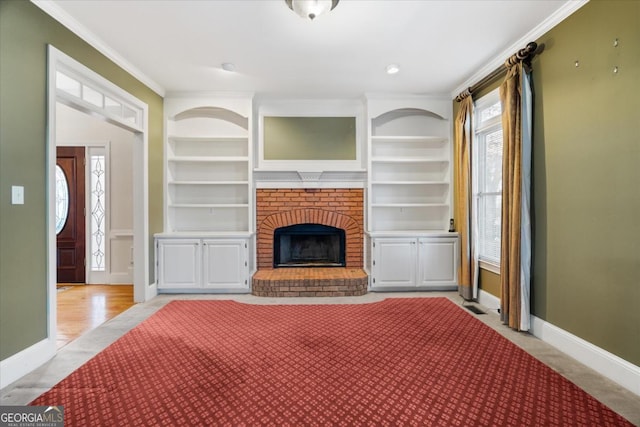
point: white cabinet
(394, 263)
(414, 263)
(437, 262)
(179, 263)
(225, 264)
(202, 265)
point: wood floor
(85, 307)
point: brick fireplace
(339, 208)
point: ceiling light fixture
(393, 68)
(311, 9)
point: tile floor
(81, 350)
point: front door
(70, 213)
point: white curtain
(525, 225)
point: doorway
(109, 197)
(77, 86)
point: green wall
(586, 177)
(309, 138)
(25, 31)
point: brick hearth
(340, 208)
(310, 282)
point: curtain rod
(525, 54)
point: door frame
(90, 146)
(59, 61)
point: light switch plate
(17, 195)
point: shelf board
(409, 183)
(413, 233)
(404, 138)
(205, 159)
(407, 160)
(208, 182)
(177, 138)
(409, 205)
(204, 234)
(208, 205)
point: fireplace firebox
(308, 245)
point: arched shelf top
(404, 112)
(214, 113)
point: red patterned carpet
(421, 362)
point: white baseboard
(20, 364)
(607, 364)
(488, 300)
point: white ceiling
(180, 45)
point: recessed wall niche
(309, 138)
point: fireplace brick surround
(336, 207)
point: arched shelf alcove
(216, 113)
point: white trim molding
(558, 16)
(303, 179)
(488, 300)
(60, 15)
(607, 364)
(20, 364)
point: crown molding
(554, 19)
(60, 15)
(210, 94)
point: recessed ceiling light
(228, 66)
(393, 68)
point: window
(70, 87)
(487, 179)
(98, 209)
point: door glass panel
(112, 106)
(92, 96)
(67, 84)
(97, 213)
(62, 199)
(130, 115)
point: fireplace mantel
(303, 178)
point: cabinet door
(226, 264)
(438, 267)
(394, 263)
(179, 263)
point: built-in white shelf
(409, 168)
(208, 165)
